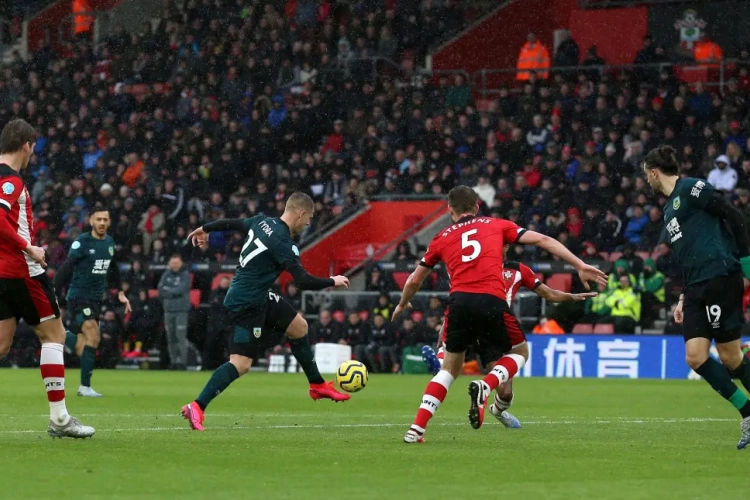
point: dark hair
(463, 200)
(663, 158)
(99, 208)
(175, 256)
(15, 134)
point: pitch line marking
(184, 428)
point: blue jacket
(635, 227)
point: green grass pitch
(265, 439)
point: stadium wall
(382, 223)
(617, 33)
(495, 42)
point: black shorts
(484, 321)
(712, 309)
(258, 328)
(82, 310)
(32, 299)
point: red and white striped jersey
(515, 276)
(15, 200)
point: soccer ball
(352, 376)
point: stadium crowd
(222, 112)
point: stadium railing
(486, 82)
(527, 307)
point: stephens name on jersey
(472, 250)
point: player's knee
(241, 363)
(297, 328)
(731, 358)
(522, 350)
(695, 359)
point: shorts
(31, 299)
(257, 328)
(712, 309)
(484, 321)
(83, 310)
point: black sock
(742, 372)
(302, 350)
(719, 379)
(220, 380)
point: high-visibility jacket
(625, 303)
(707, 52)
(83, 23)
(533, 57)
(552, 327)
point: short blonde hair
(299, 202)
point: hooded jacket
(613, 283)
(723, 179)
(654, 283)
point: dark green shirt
(91, 258)
(703, 245)
(267, 251)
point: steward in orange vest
(533, 57)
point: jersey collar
(466, 218)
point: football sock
(441, 356)
(220, 380)
(88, 360)
(70, 340)
(302, 351)
(719, 379)
(433, 396)
(505, 369)
(742, 372)
(500, 405)
(53, 374)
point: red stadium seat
(338, 316)
(643, 255)
(615, 256)
(215, 281)
(152, 294)
(195, 298)
(582, 328)
(417, 316)
(400, 279)
(604, 329)
(604, 255)
(560, 281)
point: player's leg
(502, 331)
(244, 347)
(38, 306)
(284, 317)
(91, 338)
(711, 310)
(7, 331)
(504, 394)
(458, 336)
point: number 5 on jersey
(476, 248)
(248, 253)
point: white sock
(52, 367)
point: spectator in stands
(485, 190)
(533, 57)
(653, 294)
(636, 225)
(377, 281)
(595, 308)
(435, 307)
(722, 176)
(174, 291)
(326, 329)
(383, 344)
(548, 327)
(620, 269)
(651, 233)
(356, 333)
(111, 330)
(384, 306)
(625, 305)
(404, 253)
(144, 325)
(214, 346)
(411, 334)
(567, 53)
(294, 296)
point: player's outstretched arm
(199, 237)
(556, 296)
(585, 271)
(412, 286)
(307, 281)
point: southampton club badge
(111, 251)
(690, 27)
(676, 203)
(256, 332)
(507, 275)
(87, 312)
